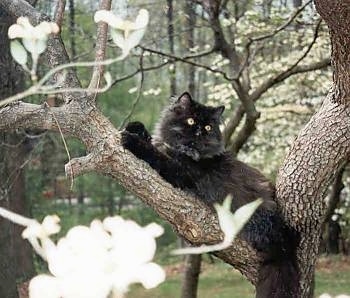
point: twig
(39, 88)
(292, 69)
(282, 27)
(100, 48)
(186, 60)
(129, 76)
(251, 40)
(137, 99)
(64, 143)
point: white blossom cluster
(96, 261)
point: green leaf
(18, 52)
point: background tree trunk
(15, 253)
(190, 280)
(172, 71)
(192, 263)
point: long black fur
(191, 156)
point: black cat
(187, 150)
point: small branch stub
(79, 166)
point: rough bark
(337, 14)
(321, 148)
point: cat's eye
(207, 128)
(190, 121)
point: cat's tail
(278, 279)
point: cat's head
(189, 124)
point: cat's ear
(185, 99)
(218, 111)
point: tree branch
(100, 48)
(27, 115)
(233, 123)
(191, 218)
(188, 61)
(291, 18)
(293, 69)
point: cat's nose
(198, 132)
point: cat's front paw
(137, 128)
(190, 152)
(135, 137)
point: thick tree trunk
(321, 148)
(190, 23)
(15, 253)
(72, 29)
(190, 279)
(192, 263)
(172, 72)
(15, 159)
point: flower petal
(24, 21)
(30, 45)
(51, 224)
(44, 286)
(16, 31)
(48, 27)
(150, 275)
(86, 284)
(133, 39)
(118, 38)
(142, 19)
(242, 215)
(41, 45)
(108, 17)
(154, 229)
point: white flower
(230, 224)
(125, 34)
(49, 226)
(34, 38)
(97, 260)
(44, 284)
